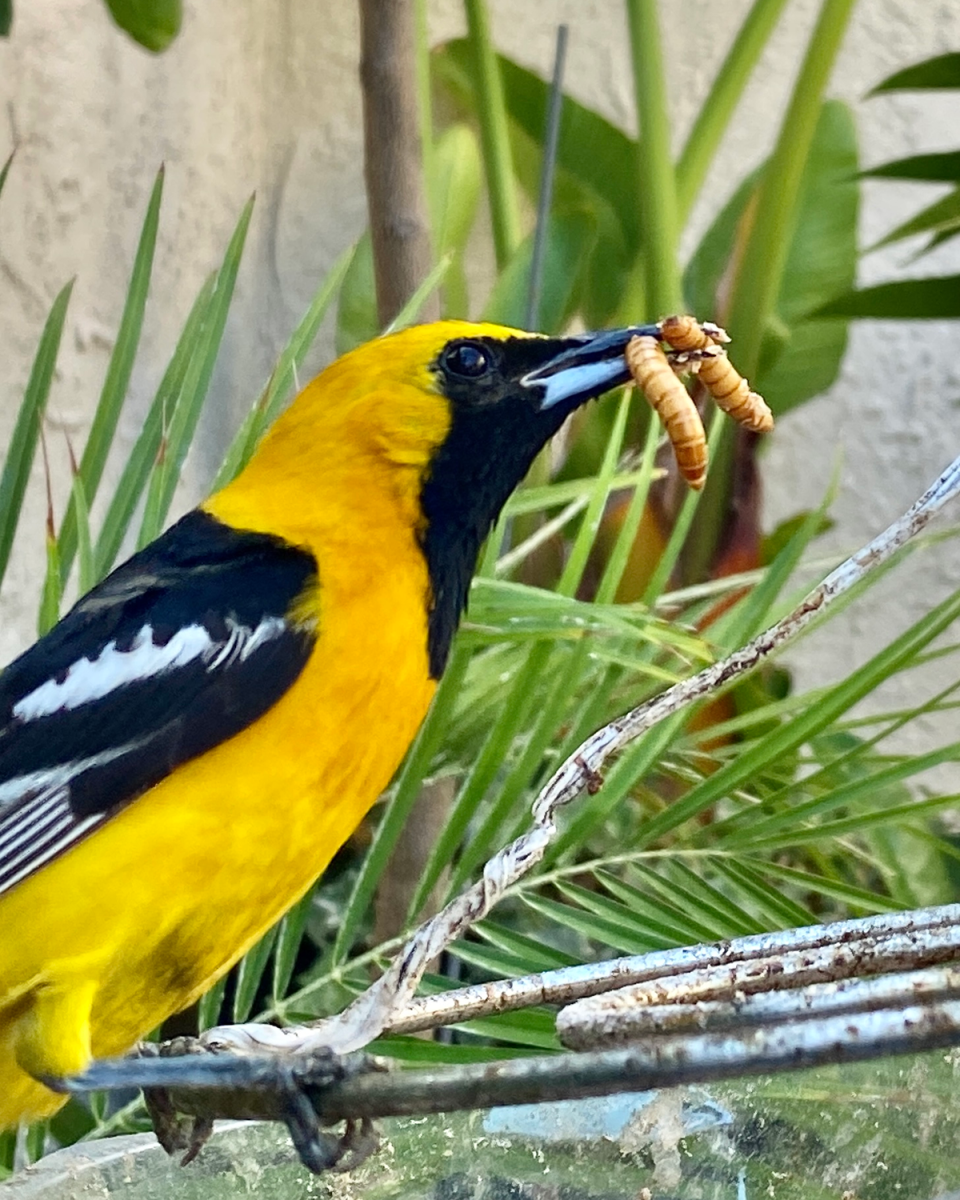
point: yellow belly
(137, 921)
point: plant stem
(551, 136)
(723, 97)
(681, 526)
(494, 136)
(656, 181)
(424, 99)
(757, 283)
(393, 168)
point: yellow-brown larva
(715, 370)
(683, 332)
(654, 377)
(732, 392)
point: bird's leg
(285, 1085)
(292, 1077)
(320, 1151)
(360, 1139)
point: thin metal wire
(801, 983)
(254, 1086)
(547, 174)
(568, 984)
(850, 1021)
(367, 1016)
(813, 1002)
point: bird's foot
(176, 1133)
(292, 1078)
(318, 1149)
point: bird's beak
(588, 365)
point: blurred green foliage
(766, 809)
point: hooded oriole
(181, 756)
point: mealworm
(655, 377)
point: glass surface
(876, 1131)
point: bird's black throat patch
(497, 429)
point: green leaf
(569, 241)
(35, 1141)
(868, 789)
(612, 930)
(656, 913)
(183, 422)
(606, 295)
(823, 248)
(941, 217)
(250, 972)
(710, 261)
(821, 262)
(835, 889)
(776, 910)
(934, 73)
(937, 239)
(208, 1009)
(927, 168)
(521, 947)
(782, 534)
(418, 1050)
(701, 897)
(936, 298)
(289, 935)
(801, 354)
(26, 431)
(117, 379)
(86, 576)
(6, 17)
(51, 593)
(530, 1027)
(716, 110)
(5, 169)
(454, 186)
(142, 458)
(357, 320)
(591, 149)
(152, 23)
(283, 376)
(860, 823)
(759, 755)
(756, 609)
(502, 198)
(594, 172)
(411, 309)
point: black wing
(181, 647)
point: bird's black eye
(467, 359)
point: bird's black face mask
(508, 397)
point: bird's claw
(177, 1134)
(360, 1139)
(318, 1150)
(293, 1078)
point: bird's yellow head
(449, 417)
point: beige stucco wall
(265, 97)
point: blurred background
(266, 98)
(797, 179)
